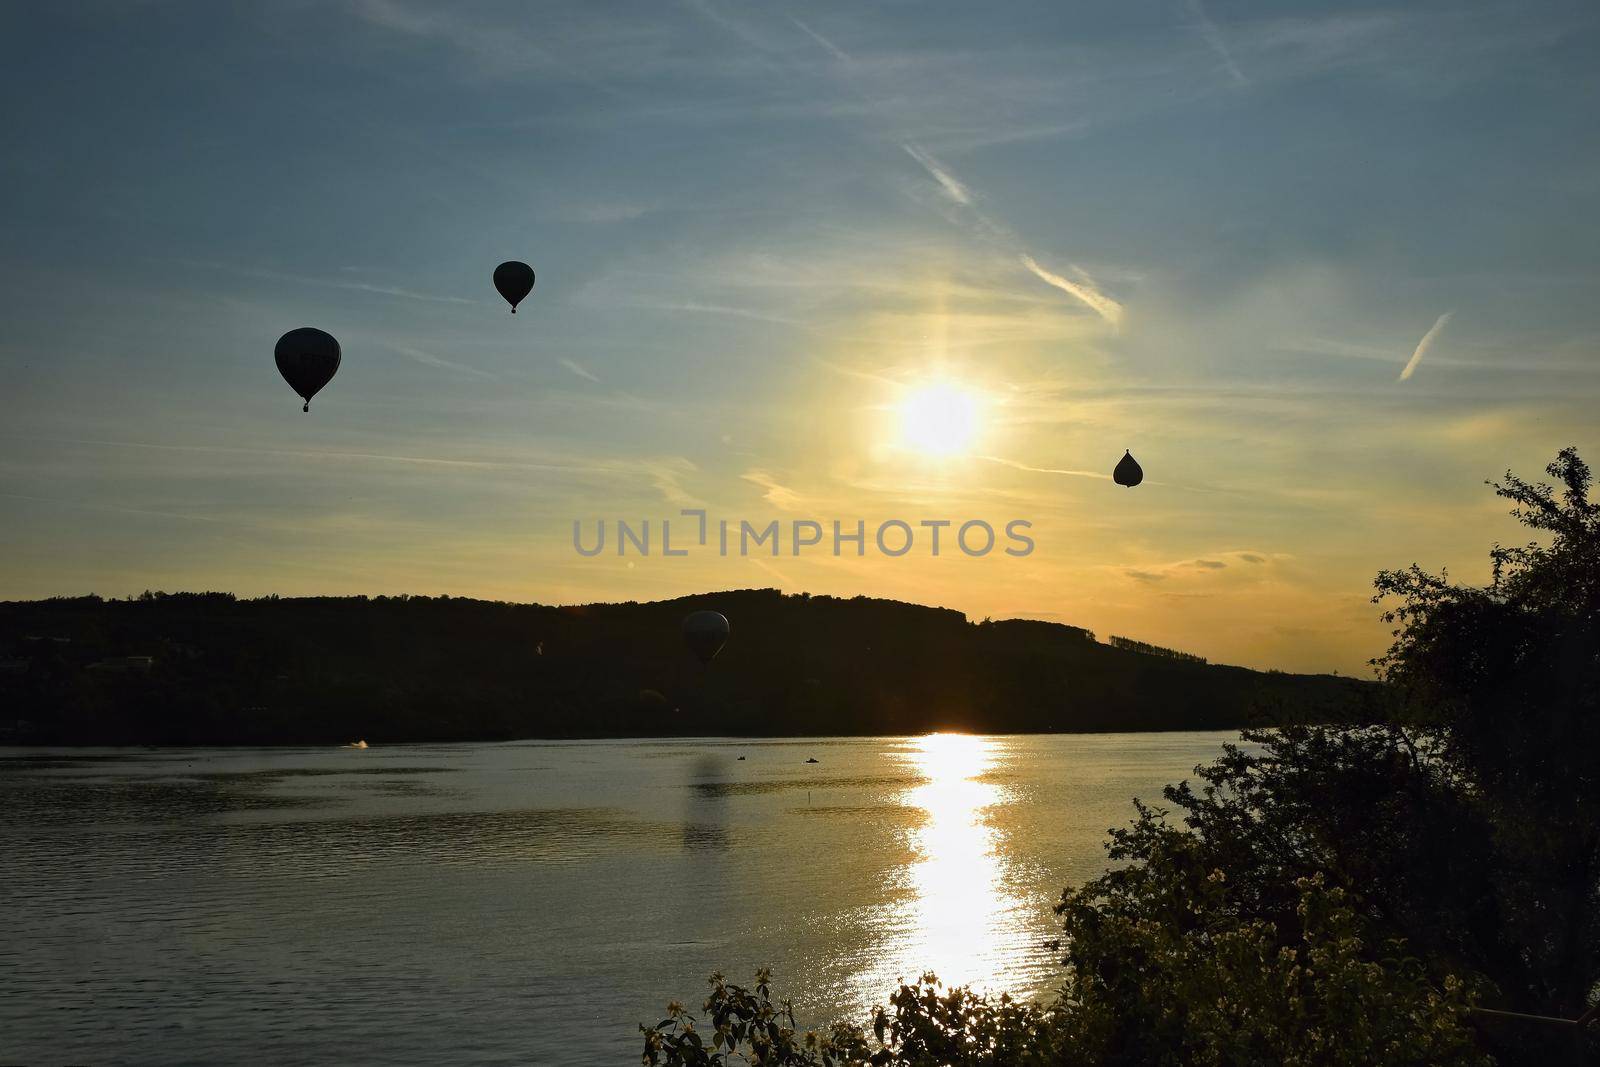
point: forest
(210, 668)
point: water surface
(531, 901)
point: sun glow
(940, 419)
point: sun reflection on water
(954, 915)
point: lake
(529, 901)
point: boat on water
(356, 744)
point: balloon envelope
(705, 632)
(1128, 471)
(514, 281)
(307, 359)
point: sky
(1323, 268)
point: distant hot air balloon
(307, 359)
(705, 632)
(514, 280)
(1128, 471)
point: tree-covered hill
(271, 670)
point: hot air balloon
(705, 632)
(307, 359)
(1128, 471)
(514, 280)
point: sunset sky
(1323, 268)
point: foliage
(924, 1025)
(1169, 965)
(1507, 677)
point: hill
(208, 668)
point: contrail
(431, 360)
(1102, 304)
(832, 49)
(1104, 477)
(1425, 344)
(961, 194)
(580, 370)
(1213, 37)
(947, 181)
(1046, 470)
(328, 283)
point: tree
(1509, 675)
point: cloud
(666, 475)
(605, 213)
(1425, 344)
(698, 308)
(580, 371)
(828, 46)
(121, 510)
(430, 360)
(952, 188)
(495, 50)
(326, 283)
(1085, 291)
(692, 307)
(1194, 568)
(616, 468)
(707, 10)
(1213, 37)
(1045, 470)
(779, 496)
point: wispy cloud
(708, 10)
(1045, 470)
(859, 373)
(1212, 35)
(947, 181)
(118, 509)
(605, 212)
(1425, 344)
(697, 307)
(989, 230)
(326, 283)
(430, 360)
(667, 475)
(1196, 567)
(622, 468)
(1084, 290)
(775, 493)
(580, 370)
(496, 50)
(828, 46)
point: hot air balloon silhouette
(705, 632)
(307, 359)
(514, 280)
(1128, 471)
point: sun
(940, 419)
